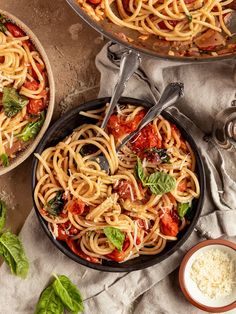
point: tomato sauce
(118, 126)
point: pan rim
(92, 23)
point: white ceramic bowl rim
(190, 289)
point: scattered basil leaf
(182, 209)
(32, 129)
(3, 212)
(5, 160)
(160, 183)
(139, 171)
(49, 302)
(12, 101)
(56, 204)
(11, 249)
(161, 152)
(115, 236)
(68, 293)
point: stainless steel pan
(112, 32)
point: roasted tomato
(75, 206)
(66, 230)
(169, 224)
(118, 127)
(62, 235)
(124, 190)
(146, 138)
(14, 30)
(118, 256)
(173, 23)
(95, 1)
(182, 186)
(35, 106)
(31, 85)
(72, 245)
(32, 71)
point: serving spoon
(171, 94)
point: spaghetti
(138, 207)
(179, 23)
(23, 91)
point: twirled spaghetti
(23, 90)
(141, 204)
(190, 23)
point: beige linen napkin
(208, 88)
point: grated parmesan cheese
(214, 273)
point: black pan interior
(64, 127)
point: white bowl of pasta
(132, 217)
(26, 92)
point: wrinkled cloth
(209, 87)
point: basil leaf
(3, 212)
(182, 209)
(5, 160)
(160, 183)
(49, 302)
(115, 236)
(12, 101)
(56, 204)
(3, 28)
(68, 293)
(13, 253)
(32, 129)
(139, 171)
(189, 17)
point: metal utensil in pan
(148, 47)
(171, 94)
(129, 64)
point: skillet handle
(130, 62)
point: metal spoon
(170, 95)
(129, 63)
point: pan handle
(129, 63)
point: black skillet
(62, 128)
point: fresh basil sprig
(32, 129)
(56, 204)
(5, 160)
(12, 101)
(139, 171)
(115, 236)
(158, 182)
(59, 295)
(3, 212)
(68, 293)
(49, 302)
(182, 209)
(11, 249)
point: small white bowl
(24, 154)
(189, 287)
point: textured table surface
(71, 46)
